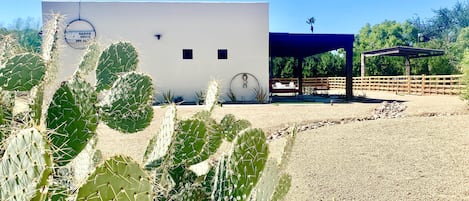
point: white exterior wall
(241, 28)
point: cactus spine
(22, 72)
(73, 117)
(119, 178)
(127, 106)
(118, 58)
(25, 166)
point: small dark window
(222, 54)
(187, 54)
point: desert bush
(199, 97)
(261, 95)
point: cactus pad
(36, 102)
(230, 127)
(159, 145)
(22, 72)
(25, 166)
(127, 107)
(89, 61)
(246, 162)
(221, 186)
(211, 98)
(119, 178)
(191, 139)
(116, 59)
(72, 115)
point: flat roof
(150, 1)
(303, 44)
(411, 52)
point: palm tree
(311, 21)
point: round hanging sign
(79, 34)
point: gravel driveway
(411, 158)
(417, 158)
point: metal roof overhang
(303, 45)
(410, 52)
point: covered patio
(304, 45)
(400, 51)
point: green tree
(384, 35)
(26, 33)
(446, 23)
(284, 66)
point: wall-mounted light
(158, 36)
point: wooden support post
(300, 75)
(408, 84)
(423, 85)
(362, 66)
(407, 66)
(349, 72)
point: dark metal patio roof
(302, 45)
(410, 52)
(403, 51)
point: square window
(222, 54)
(187, 54)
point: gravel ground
(416, 158)
(411, 158)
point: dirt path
(270, 117)
(414, 158)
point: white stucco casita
(162, 30)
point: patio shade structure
(400, 51)
(304, 45)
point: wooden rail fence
(417, 84)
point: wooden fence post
(423, 85)
(408, 84)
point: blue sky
(332, 16)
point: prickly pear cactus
(7, 102)
(25, 166)
(127, 106)
(72, 115)
(221, 184)
(22, 72)
(159, 145)
(35, 104)
(116, 59)
(230, 127)
(119, 178)
(89, 61)
(211, 97)
(191, 138)
(282, 187)
(246, 163)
